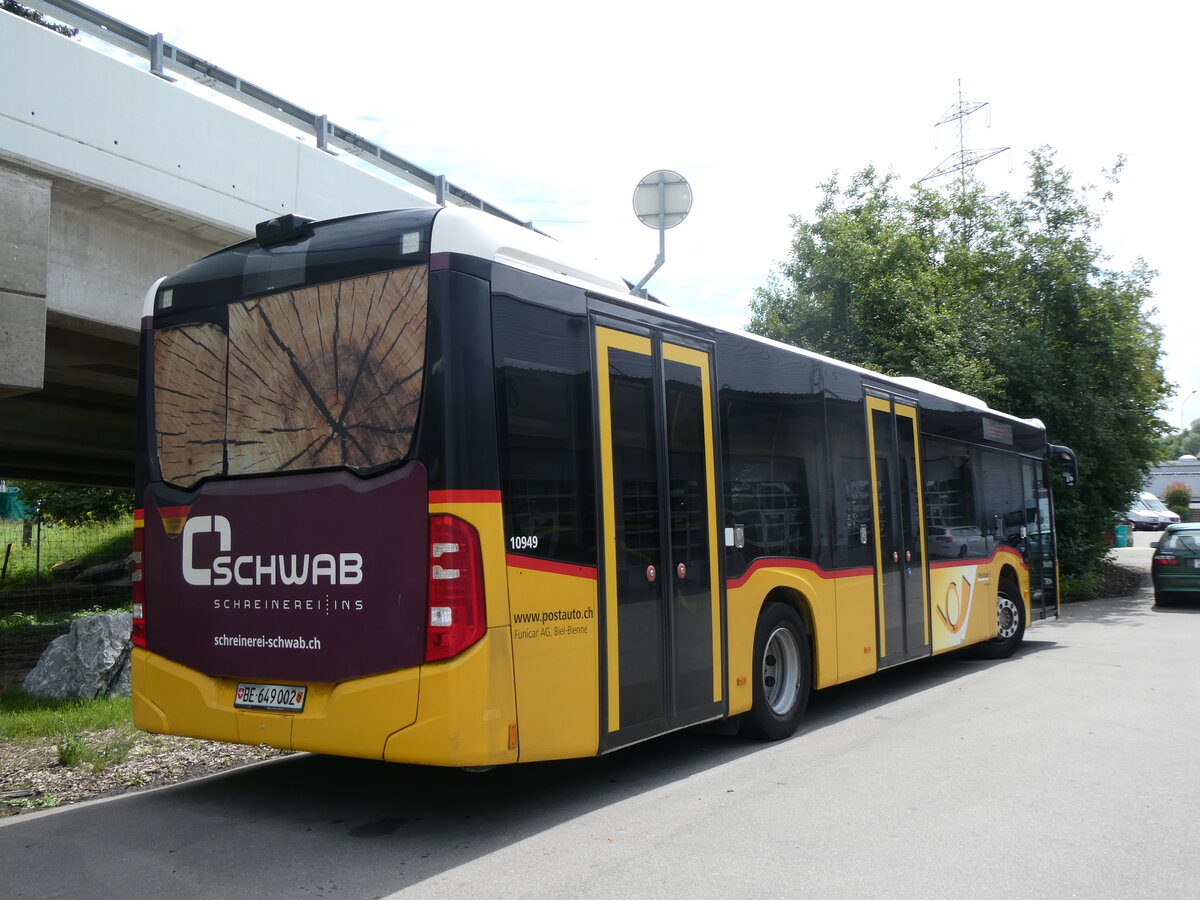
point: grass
(33, 802)
(25, 717)
(27, 621)
(71, 749)
(95, 733)
(85, 544)
(99, 752)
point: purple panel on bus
(317, 577)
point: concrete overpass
(111, 176)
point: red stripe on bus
(546, 565)
(464, 496)
(783, 563)
(174, 512)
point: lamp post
(1183, 422)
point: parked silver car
(1144, 519)
(1148, 513)
(1164, 513)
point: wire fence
(52, 574)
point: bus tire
(1010, 615)
(782, 675)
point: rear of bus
(317, 488)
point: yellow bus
(423, 486)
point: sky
(554, 112)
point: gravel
(31, 776)
(1121, 581)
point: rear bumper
(456, 713)
(1185, 586)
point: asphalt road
(1068, 771)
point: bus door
(1039, 548)
(660, 574)
(901, 569)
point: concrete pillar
(24, 242)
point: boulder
(107, 571)
(66, 569)
(90, 661)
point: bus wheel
(1010, 619)
(782, 674)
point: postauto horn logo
(308, 568)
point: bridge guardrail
(162, 56)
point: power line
(962, 159)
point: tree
(10, 6)
(69, 504)
(863, 286)
(1004, 298)
(1187, 441)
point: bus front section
(312, 565)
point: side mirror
(1067, 463)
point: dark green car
(1175, 569)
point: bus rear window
(189, 402)
(317, 377)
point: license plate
(288, 697)
(1196, 563)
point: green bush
(72, 504)
(1178, 497)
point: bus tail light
(457, 613)
(137, 577)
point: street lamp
(1183, 422)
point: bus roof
(474, 233)
(486, 237)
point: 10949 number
(523, 542)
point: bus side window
(543, 409)
(1004, 501)
(951, 522)
(847, 437)
(773, 453)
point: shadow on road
(1123, 610)
(312, 823)
(369, 828)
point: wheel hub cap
(781, 671)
